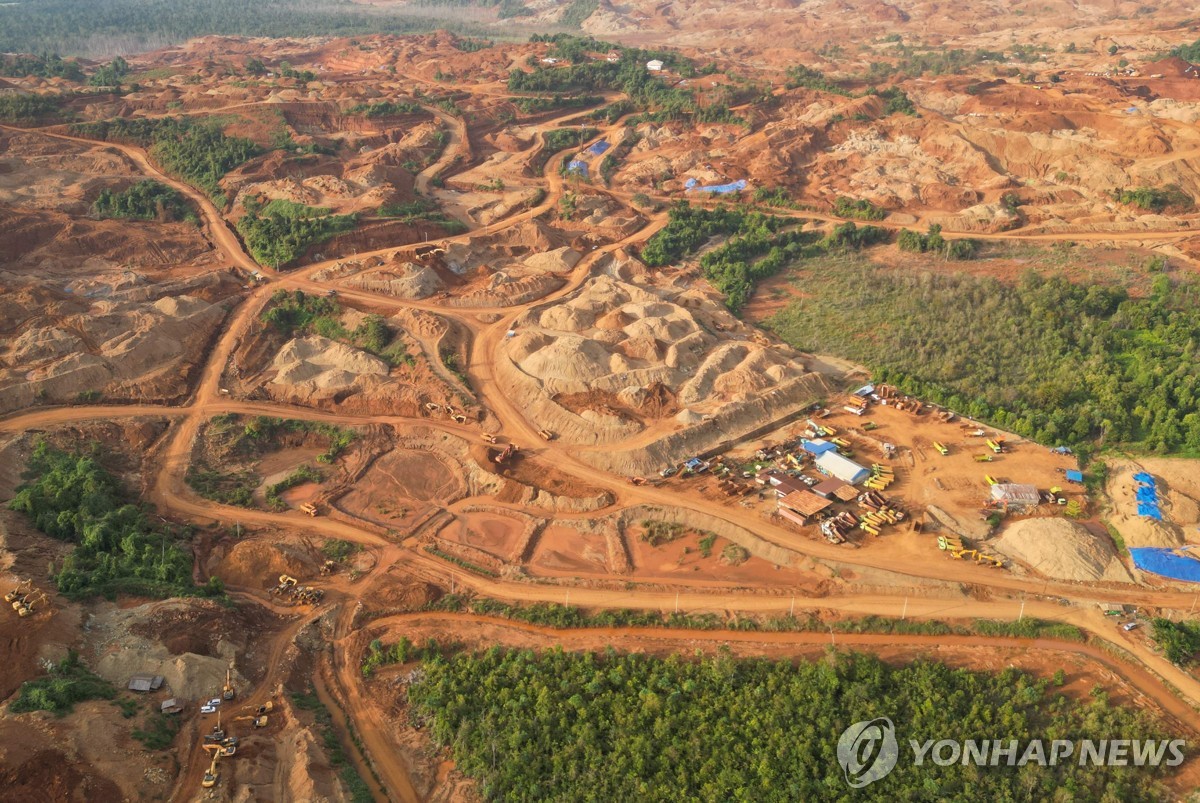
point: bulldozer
(210, 777)
(27, 607)
(228, 692)
(21, 590)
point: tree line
(555, 725)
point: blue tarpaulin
(1143, 477)
(817, 446)
(576, 166)
(1149, 510)
(1074, 476)
(1165, 562)
(599, 148)
(721, 189)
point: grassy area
(227, 487)
(298, 477)
(657, 533)
(1045, 358)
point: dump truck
(487, 437)
(942, 450)
(309, 508)
(546, 434)
(983, 458)
(996, 446)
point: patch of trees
(299, 313)
(286, 70)
(544, 725)
(195, 151)
(801, 76)
(537, 105)
(1050, 360)
(45, 65)
(1153, 199)
(935, 243)
(895, 101)
(20, 108)
(106, 26)
(1188, 52)
(110, 74)
(558, 139)
(1180, 640)
(68, 682)
(859, 209)
(385, 108)
(470, 44)
(279, 232)
(117, 550)
(146, 200)
(628, 74)
(422, 210)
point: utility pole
(1021, 615)
(792, 612)
(676, 602)
(904, 613)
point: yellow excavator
(24, 588)
(210, 777)
(27, 607)
(228, 692)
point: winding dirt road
(1146, 671)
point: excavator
(210, 777)
(27, 607)
(21, 590)
(259, 721)
(228, 692)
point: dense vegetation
(1045, 358)
(1152, 199)
(544, 726)
(45, 65)
(537, 105)
(72, 498)
(755, 250)
(279, 232)
(803, 76)
(385, 108)
(423, 210)
(1188, 52)
(107, 26)
(859, 209)
(934, 243)
(69, 682)
(110, 74)
(18, 108)
(146, 200)
(1180, 640)
(196, 151)
(628, 74)
(557, 139)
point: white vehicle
(208, 709)
(214, 702)
(1129, 626)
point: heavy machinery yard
(418, 439)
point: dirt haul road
(169, 491)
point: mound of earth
(257, 563)
(1063, 550)
(116, 348)
(614, 359)
(1179, 501)
(322, 364)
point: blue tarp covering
(1165, 562)
(1074, 476)
(599, 148)
(1061, 450)
(865, 390)
(736, 186)
(817, 446)
(1143, 477)
(576, 166)
(1149, 510)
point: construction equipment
(229, 746)
(488, 437)
(432, 407)
(228, 692)
(546, 434)
(27, 607)
(458, 418)
(996, 445)
(21, 590)
(506, 453)
(942, 450)
(637, 480)
(309, 508)
(965, 554)
(286, 582)
(950, 543)
(983, 458)
(990, 480)
(990, 560)
(259, 721)
(210, 777)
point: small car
(214, 702)
(669, 471)
(1130, 626)
(208, 709)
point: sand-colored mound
(671, 369)
(1063, 550)
(1178, 485)
(324, 364)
